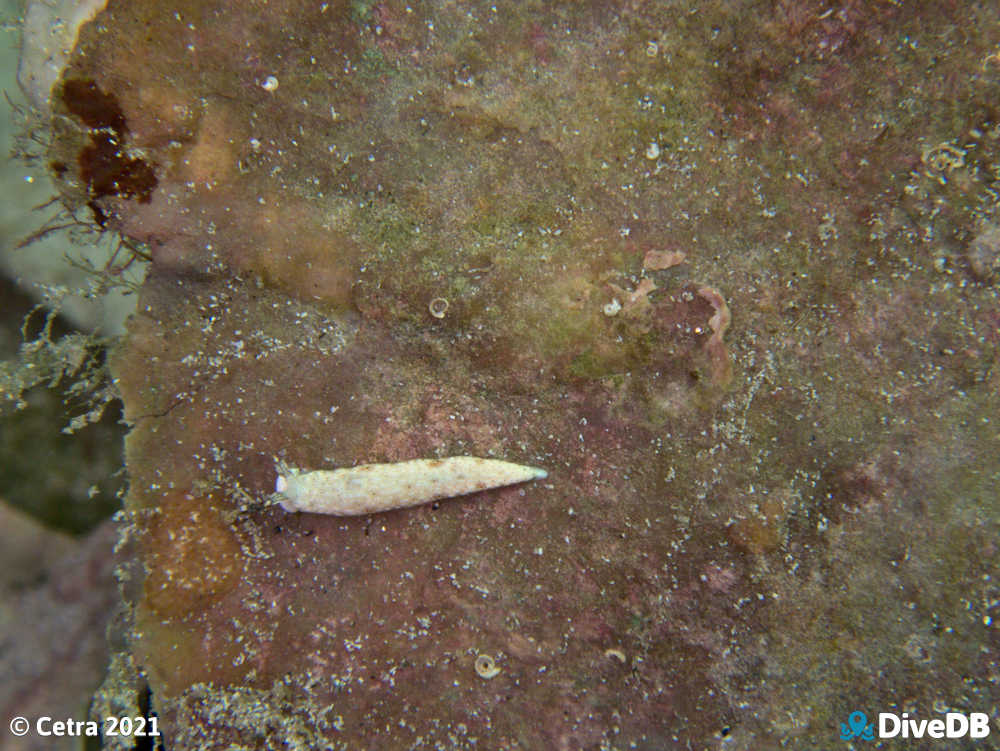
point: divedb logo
(890, 725)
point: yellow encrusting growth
(371, 488)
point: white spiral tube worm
(371, 488)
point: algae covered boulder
(700, 262)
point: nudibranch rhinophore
(371, 488)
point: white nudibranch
(371, 488)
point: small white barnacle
(371, 488)
(616, 653)
(486, 667)
(438, 307)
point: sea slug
(371, 488)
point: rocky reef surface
(726, 270)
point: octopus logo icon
(857, 726)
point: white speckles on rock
(371, 488)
